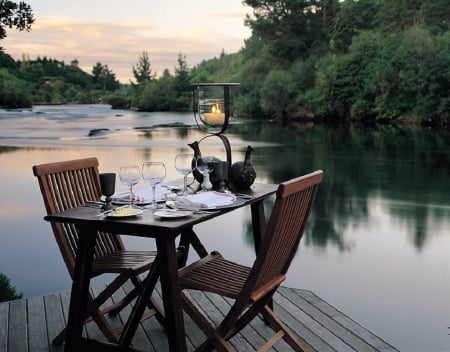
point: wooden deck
(29, 325)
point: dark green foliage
(49, 81)
(118, 100)
(142, 72)
(14, 92)
(7, 292)
(18, 15)
(364, 60)
(104, 78)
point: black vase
(243, 174)
(210, 159)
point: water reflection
(377, 242)
(407, 167)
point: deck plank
(37, 328)
(54, 316)
(378, 343)
(326, 328)
(4, 317)
(29, 325)
(17, 337)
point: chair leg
(214, 339)
(60, 338)
(110, 334)
(116, 308)
(278, 325)
(97, 315)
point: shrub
(7, 292)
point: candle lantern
(212, 106)
(212, 112)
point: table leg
(258, 222)
(189, 238)
(80, 289)
(171, 293)
(138, 310)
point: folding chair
(252, 288)
(69, 184)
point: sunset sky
(116, 32)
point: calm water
(378, 243)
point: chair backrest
(69, 184)
(293, 203)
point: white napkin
(211, 199)
(186, 204)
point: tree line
(327, 60)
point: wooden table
(165, 233)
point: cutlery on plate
(112, 210)
(243, 196)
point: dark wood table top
(142, 224)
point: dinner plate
(124, 213)
(196, 206)
(172, 214)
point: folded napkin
(144, 195)
(186, 204)
(210, 199)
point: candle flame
(215, 109)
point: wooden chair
(253, 288)
(70, 184)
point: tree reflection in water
(407, 168)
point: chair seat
(214, 273)
(122, 261)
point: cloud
(119, 45)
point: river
(377, 245)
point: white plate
(212, 199)
(172, 214)
(129, 213)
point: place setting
(206, 192)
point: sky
(117, 32)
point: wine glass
(204, 166)
(108, 187)
(130, 176)
(183, 164)
(221, 172)
(153, 173)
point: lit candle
(215, 117)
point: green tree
(399, 15)
(7, 292)
(142, 72)
(14, 92)
(291, 28)
(15, 15)
(275, 93)
(104, 77)
(182, 83)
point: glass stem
(185, 185)
(154, 199)
(131, 196)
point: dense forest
(328, 60)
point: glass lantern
(212, 110)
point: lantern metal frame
(199, 104)
(203, 104)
